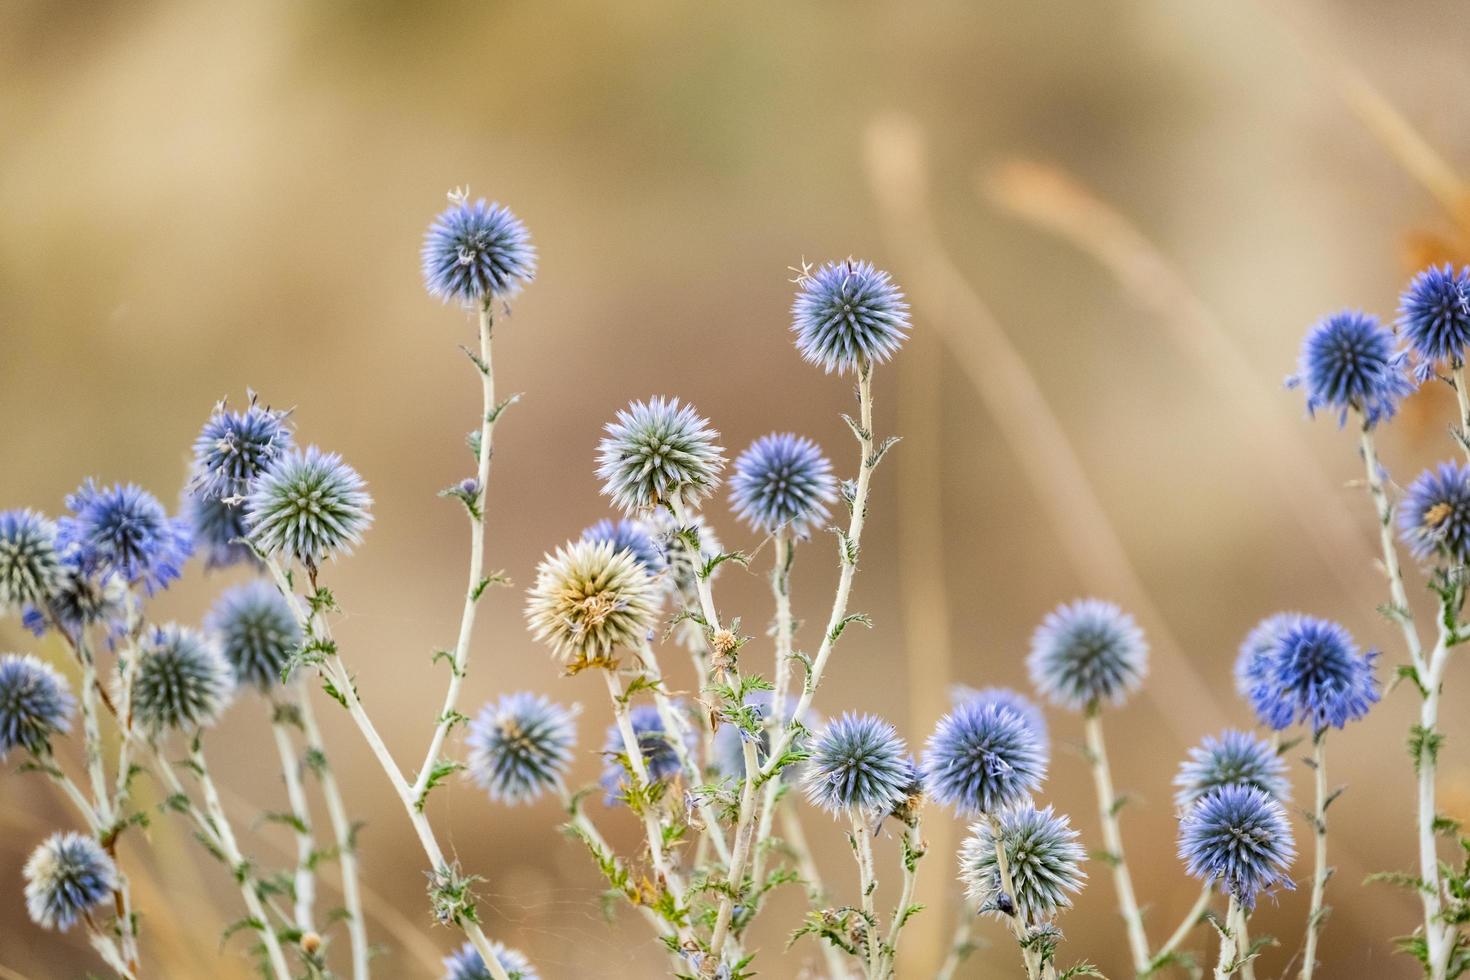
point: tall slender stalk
(1319, 866)
(1107, 805)
(1017, 926)
(304, 877)
(913, 850)
(862, 847)
(1229, 961)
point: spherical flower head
(218, 529)
(1434, 517)
(256, 629)
(124, 529)
(1087, 653)
(234, 448)
(1348, 363)
(181, 682)
(848, 315)
(590, 601)
(983, 758)
(29, 564)
(1253, 663)
(1042, 855)
(1434, 316)
(474, 253)
(466, 963)
(633, 536)
(35, 704)
(857, 765)
(658, 453)
(66, 877)
(782, 485)
(1315, 675)
(1006, 697)
(657, 745)
(308, 506)
(1234, 758)
(1239, 837)
(520, 746)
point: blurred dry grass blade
(1047, 197)
(1013, 397)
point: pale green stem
(1107, 805)
(1319, 865)
(1018, 927)
(862, 845)
(781, 592)
(305, 874)
(1462, 397)
(914, 840)
(594, 839)
(1225, 966)
(961, 944)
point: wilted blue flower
(1253, 663)
(124, 529)
(782, 485)
(35, 704)
(858, 764)
(256, 630)
(1238, 837)
(234, 448)
(1042, 855)
(218, 528)
(67, 876)
(29, 566)
(590, 601)
(1315, 675)
(476, 252)
(80, 599)
(1434, 316)
(633, 536)
(983, 758)
(181, 681)
(1234, 758)
(960, 694)
(657, 745)
(1434, 517)
(309, 506)
(520, 746)
(1348, 362)
(467, 964)
(847, 314)
(658, 452)
(1086, 653)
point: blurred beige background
(197, 198)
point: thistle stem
(961, 944)
(1319, 867)
(1401, 613)
(1107, 805)
(1462, 398)
(605, 855)
(862, 845)
(1229, 960)
(342, 832)
(474, 591)
(781, 593)
(913, 851)
(1007, 885)
(305, 875)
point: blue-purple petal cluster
(124, 529)
(182, 681)
(218, 529)
(1233, 758)
(631, 536)
(983, 758)
(66, 877)
(35, 704)
(29, 564)
(520, 746)
(308, 506)
(1315, 675)
(1349, 364)
(1043, 856)
(1434, 317)
(858, 765)
(1006, 697)
(1253, 662)
(256, 630)
(233, 448)
(847, 315)
(1238, 837)
(1434, 515)
(476, 252)
(466, 963)
(1087, 653)
(782, 484)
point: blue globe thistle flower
(256, 630)
(181, 681)
(782, 484)
(1234, 758)
(218, 529)
(1238, 836)
(1434, 317)
(1315, 675)
(1006, 697)
(848, 314)
(1253, 663)
(308, 506)
(79, 599)
(857, 764)
(1434, 517)
(590, 601)
(1042, 855)
(477, 252)
(29, 565)
(234, 448)
(520, 746)
(632, 536)
(659, 752)
(66, 877)
(983, 758)
(1086, 653)
(124, 529)
(35, 704)
(466, 963)
(1348, 362)
(656, 453)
